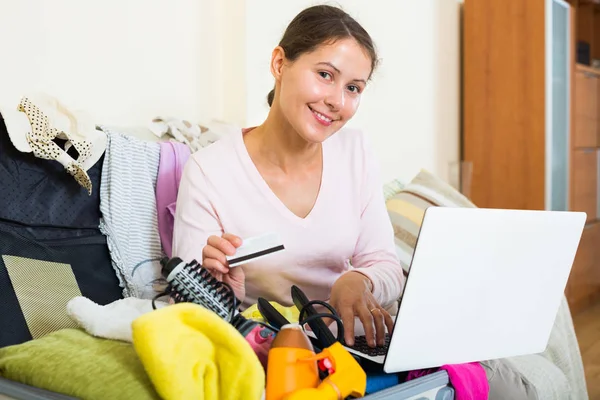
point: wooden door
(585, 110)
(504, 102)
(584, 281)
(584, 185)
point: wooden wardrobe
(531, 115)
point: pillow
(506, 382)
(76, 364)
(407, 207)
(391, 188)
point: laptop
(483, 284)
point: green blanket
(74, 363)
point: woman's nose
(335, 100)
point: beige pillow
(391, 188)
(407, 207)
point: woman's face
(320, 91)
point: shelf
(587, 21)
(587, 68)
(594, 3)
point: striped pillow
(407, 207)
(391, 188)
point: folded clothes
(74, 363)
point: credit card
(255, 248)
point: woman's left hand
(351, 296)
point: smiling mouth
(322, 118)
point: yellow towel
(189, 352)
(290, 313)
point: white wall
(122, 61)
(127, 61)
(411, 108)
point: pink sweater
(348, 228)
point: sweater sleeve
(195, 217)
(375, 255)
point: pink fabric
(173, 157)
(468, 380)
(223, 191)
(417, 373)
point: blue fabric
(377, 382)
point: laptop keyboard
(360, 344)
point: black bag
(51, 248)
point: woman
(301, 175)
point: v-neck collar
(264, 187)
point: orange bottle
(290, 366)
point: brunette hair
(319, 25)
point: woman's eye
(325, 75)
(354, 89)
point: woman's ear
(277, 60)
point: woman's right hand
(214, 259)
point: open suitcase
(29, 227)
(431, 387)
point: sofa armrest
(563, 358)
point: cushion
(391, 188)
(407, 207)
(506, 382)
(549, 381)
(76, 364)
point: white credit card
(255, 248)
